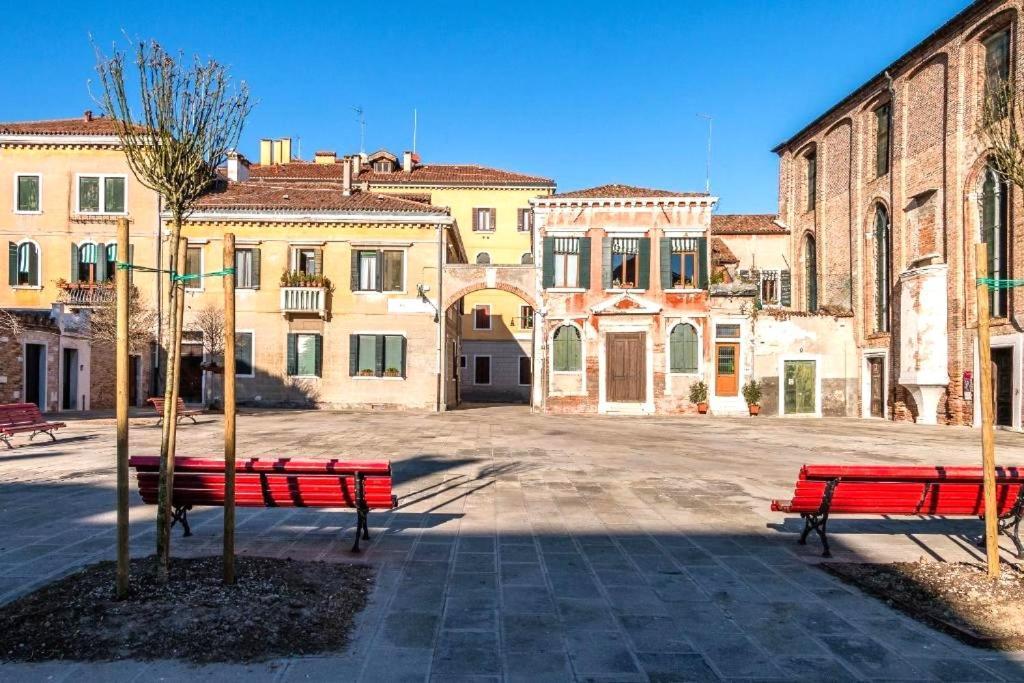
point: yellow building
(492, 210)
(336, 294)
(63, 185)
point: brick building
(885, 195)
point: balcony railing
(304, 300)
(85, 294)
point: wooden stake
(121, 277)
(229, 411)
(988, 456)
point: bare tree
(1001, 127)
(141, 324)
(10, 325)
(176, 119)
(210, 321)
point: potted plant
(699, 396)
(392, 372)
(366, 373)
(752, 395)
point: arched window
(883, 269)
(88, 269)
(483, 258)
(994, 197)
(811, 273)
(111, 269)
(682, 345)
(567, 349)
(24, 265)
(527, 259)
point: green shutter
(665, 263)
(255, 268)
(584, 264)
(675, 344)
(101, 262)
(33, 265)
(12, 263)
(378, 364)
(75, 261)
(318, 261)
(644, 267)
(786, 289)
(606, 262)
(293, 354)
(702, 262)
(131, 259)
(353, 355)
(405, 345)
(548, 262)
(354, 279)
(318, 350)
(378, 284)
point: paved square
(535, 548)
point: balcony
(304, 300)
(85, 294)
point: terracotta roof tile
(427, 174)
(746, 224)
(721, 253)
(308, 197)
(99, 125)
(622, 192)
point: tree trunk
(229, 411)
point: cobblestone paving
(531, 548)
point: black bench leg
(50, 434)
(362, 528)
(818, 521)
(32, 436)
(7, 441)
(180, 514)
(807, 529)
(193, 418)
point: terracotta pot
(702, 408)
(754, 409)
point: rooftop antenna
(362, 128)
(707, 170)
(414, 122)
(299, 145)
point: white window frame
(865, 385)
(296, 248)
(817, 360)
(299, 333)
(490, 370)
(383, 333)
(380, 266)
(252, 357)
(202, 267)
(14, 196)
(478, 212)
(490, 323)
(39, 255)
(103, 194)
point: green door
(799, 386)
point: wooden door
(727, 356)
(876, 366)
(800, 382)
(626, 374)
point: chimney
(357, 165)
(238, 167)
(266, 152)
(325, 158)
(286, 151)
(407, 162)
(87, 116)
(346, 177)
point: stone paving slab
(532, 548)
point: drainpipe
(442, 315)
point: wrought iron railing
(85, 294)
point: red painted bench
(158, 403)
(283, 482)
(823, 490)
(16, 418)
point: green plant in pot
(699, 396)
(752, 395)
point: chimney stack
(357, 165)
(266, 152)
(346, 177)
(238, 167)
(325, 158)
(87, 116)
(286, 151)
(407, 162)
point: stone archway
(465, 278)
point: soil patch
(276, 608)
(955, 597)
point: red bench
(16, 418)
(158, 405)
(283, 482)
(823, 490)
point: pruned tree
(10, 325)
(1001, 128)
(141, 324)
(177, 119)
(210, 321)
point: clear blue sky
(585, 93)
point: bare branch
(1001, 126)
(141, 324)
(210, 321)
(10, 325)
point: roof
(616, 191)
(98, 125)
(877, 79)
(264, 196)
(721, 253)
(427, 174)
(747, 224)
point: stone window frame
(39, 192)
(583, 348)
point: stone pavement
(534, 548)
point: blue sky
(586, 93)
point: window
(567, 349)
(769, 287)
(811, 160)
(882, 125)
(377, 355)
(194, 266)
(462, 361)
(883, 269)
(87, 263)
(526, 317)
(483, 259)
(382, 167)
(110, 272)
(244, 350)
(247, 268)
(481, 370)
(727, 331)
(101, 194)
(625, 262)
(683, 349)
(567, 262)
(482, 317)
(683, 260)
(527, 259)
(23, 264)
(307, 260)
(994, 225)
(811, 273)
(997, 74)
(525, 371)
(378, 270)
(27, 189)
(524, 220)
(394, 280)
(305, 355)
(483, 220)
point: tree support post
(229, 410)
(123, 303)
(988, 457)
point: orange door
(727, 369)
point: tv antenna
(362, 128)
(415, 120)
(707, 170)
